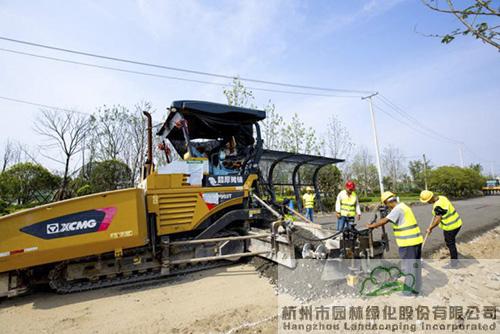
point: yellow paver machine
(212, 207)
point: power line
(403, 113)
(178, 69)
(117, 69)
(41, 105)
(409, 125)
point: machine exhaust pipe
(148, 164)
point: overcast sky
(363, 45)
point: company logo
(228, 180)
(385, 281)
(74, 224)
(52, 228)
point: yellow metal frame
(179, 207)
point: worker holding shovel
(448, 220)
(408, 238)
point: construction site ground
(238, 299)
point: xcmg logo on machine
(73, 224)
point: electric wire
(178, 69)
(162, 76)
(406, 115)
(41, 105)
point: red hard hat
(349, 185)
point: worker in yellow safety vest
(347, 206)
(308, 200)
(408, 238)
(448, 220)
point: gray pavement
(478, 215)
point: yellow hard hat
(386, 195)
(425, 196)
(309, 189)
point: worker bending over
(347, 206)
(408, 238)
(448, 220)
(308, 200)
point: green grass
(407, 198)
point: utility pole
(461, 153)
(425, 172)
(375, 139)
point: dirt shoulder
(212, 301)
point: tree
(102, 176)
(238, 95)
(65, 131)
(478, 18)
(8, 155)
(296, 138)
(27, 183)
(109, 126)
(455, 181)
(364, 172)
(329, 180)
(137, 140)
(477, 168)
(416, 169)
(393, 161)
(110, 175)
(119, 133)
(271, 128)
(337, 141)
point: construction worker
(408, 238)
(448, 220)
(347, 206)
(308, 200)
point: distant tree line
(105, 151)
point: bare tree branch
(65, 130)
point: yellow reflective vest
(408, 233)
(348, 205)
(451, 220)
(308, 201)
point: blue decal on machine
(73, 224)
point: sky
(372, 45)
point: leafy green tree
(416, 169)
(102, 176)
(28, 184)
(455, 181)
(476, 167)
(329, 180)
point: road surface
(230, 299)
(478, 215)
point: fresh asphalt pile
(310, 280)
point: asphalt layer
(478, 215)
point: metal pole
(375, 139)
(425, 172)
(460, 151)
